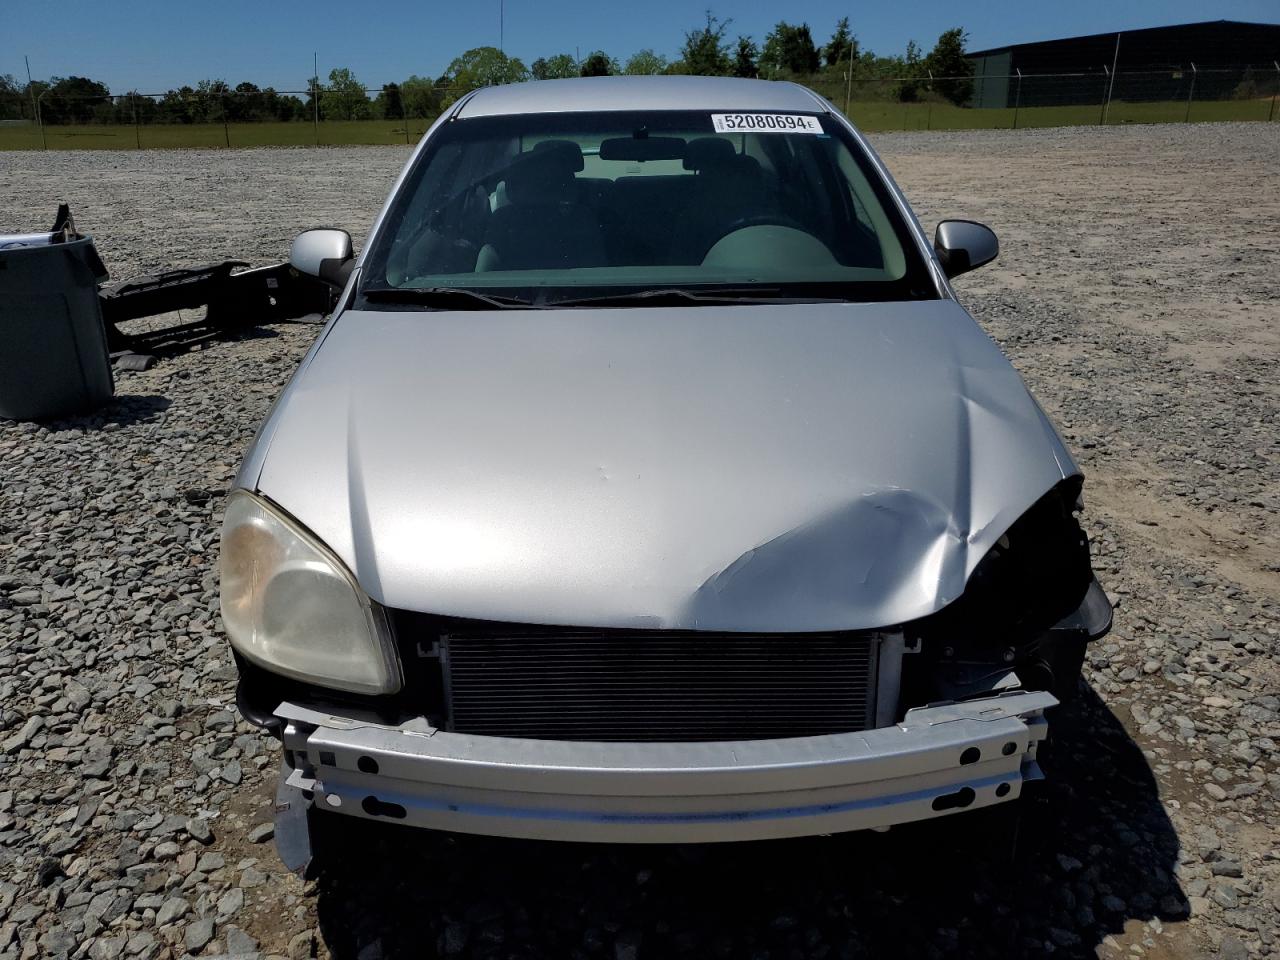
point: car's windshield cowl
(462, 298)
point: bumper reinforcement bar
(940, 759)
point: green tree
(842, 45)
(421, 97)
(562, 66)
(178, 106)
(390, 105)
(481, 67)
(284, 107)
(947, 60)
(11, 98)
(598, 64)
(211, 101)
(554, 68)
(745, 58)
(73, 99)
(34, 88)
(645, 63)
(134, 105)
(275, 107)
(246, 103)
(704, 52)
(912, 67)
(345, 99)
(315, 91)
(789, 49)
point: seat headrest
(565, 151)
(708, 152)
(545, 173)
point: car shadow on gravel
(1094, 849)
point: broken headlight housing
(1027, 611)
(290, 605)
(1036, 574)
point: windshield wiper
(446, 298)
(675, 296)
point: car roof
(640, 93)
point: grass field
(945, 116)
(153, 136)
(870, 116)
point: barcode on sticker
(765, 123)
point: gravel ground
(1137, 295)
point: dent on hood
(867, 531)
(889, 555)
(884, 552)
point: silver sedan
(650, 484)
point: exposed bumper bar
(939, 760)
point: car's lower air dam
(563, 684)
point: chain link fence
(1054, 100)
(401, 114)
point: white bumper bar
(939, 760)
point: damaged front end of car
(952, 719)
(648, 567)
(1028, 611)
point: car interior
(632, 201)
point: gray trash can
(53, 348)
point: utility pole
(1017, 101)
(501, 25)
(30, 89)
(1106, 97)
(315, 92)
(1106, 110)
(1271, 115)
(848, 79)
(1191, 93)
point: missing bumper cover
(676, 792)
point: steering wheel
(760, 220)
(755, 220)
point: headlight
(290, 605)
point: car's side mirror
(325, 254)
(964, 245)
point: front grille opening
(638, 686)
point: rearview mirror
(325, 254)
(642, 148)
(964, 245)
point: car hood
(780, 467)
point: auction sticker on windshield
(765, 123)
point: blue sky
(152, 45)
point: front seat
(728, 187)
(544, 225)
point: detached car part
(236, 297)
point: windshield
(571, 207)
